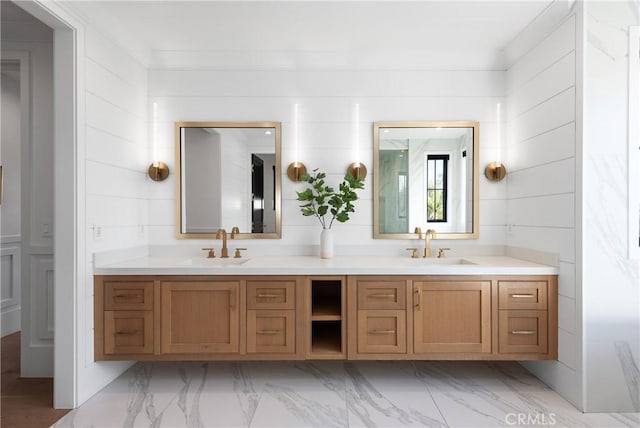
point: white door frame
(69, 249)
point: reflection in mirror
(228, 176)
(426, 175)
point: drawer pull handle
(417, 298)
(382, 332)
(269, 332)
(523, 332)
(127, 296)
(127, 333)
(268, 295)
(382, 295)
(522, 296)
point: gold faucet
(428, 236)
(234, 232)
(221, 233)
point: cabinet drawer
(128, 332)
(522, 332)
(382, 331)
(271, 294)
(522, 295)
(127, 296)
(382, 294)
(271, 331)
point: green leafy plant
(321, 200)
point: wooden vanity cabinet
(270, 317)
(126, 325)
(527, 317)
(380, 323)
(200, 317)
(452, 316)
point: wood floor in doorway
(25, 402)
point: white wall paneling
(42, 273)
(325, 100)
(10, 294)
(116, 188)
(37, 335)
(541, 185)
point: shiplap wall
(117, 187)
(541, 185)
(326, 99)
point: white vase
(326, 244)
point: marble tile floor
(332, 394)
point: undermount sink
(441, 261)
(214, 262)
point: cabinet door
(523, 332)
(382, 331)
(452, 316)
(271, 331)
(128, 332)
(200, 317)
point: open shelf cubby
(326, 300)
(327, 324)
(326, 337)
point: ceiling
(383, 31)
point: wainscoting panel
(42, 294)
(10, 287)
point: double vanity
(294, 308)
(297, 307)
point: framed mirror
(228, 176)
(426, 175)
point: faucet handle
(237, 254)
(418, 231)
(441, 252)
(235, 231)
(414, 252)
(211, 254)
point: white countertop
(313, 265)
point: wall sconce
(158, 171)
(357, 169)
(496, 171)
(296, 169)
